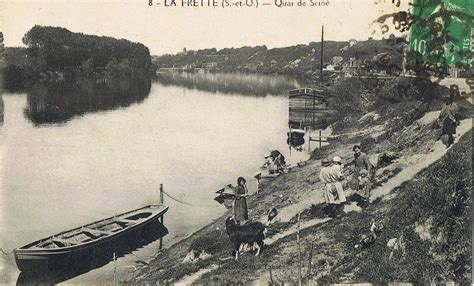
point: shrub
(346, 98)
(400, 89)
(367, 143)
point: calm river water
(73, 155)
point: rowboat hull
(36, 258)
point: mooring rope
(6, 252)
(189, 204)
(197, 205)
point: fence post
(309, 139)
(162, 200)
(161, 194)
(115, 269)
(299, 251)
(310, 266)
(320, 139)
(290, 136)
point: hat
(337, 159)
(325, 162)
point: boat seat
(97, 231)
(64, 242)
(124, 220)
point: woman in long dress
(364, 172)
(331, 177)
(240, 204)
(448, 119)
(339, 167)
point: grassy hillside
(429, 217)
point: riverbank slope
(422, 198)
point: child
(364, 187)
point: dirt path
(414, 164)
(189, 279)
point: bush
(346, 98)
(367, 143)
(320, 153)
(400, 89)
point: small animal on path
(251, 233)
(369, 238)
(271, 215)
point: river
(73, 155)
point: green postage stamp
(440, 34)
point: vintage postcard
(241, 142)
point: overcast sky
(170, 29)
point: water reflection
(58, 102)
(113, 162)
(247, 84)
(98, 257)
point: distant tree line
(299, 60)
(59, 48)
(53, 52)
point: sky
(170, 29)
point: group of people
(332, 175)
(275, 162)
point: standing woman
(240, 204)
(448, 119)
(339, 167)
(331, 178)
(362, 165)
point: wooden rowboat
(66, 249)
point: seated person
(278, 160)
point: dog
(249, 235)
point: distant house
(183, 53)
(330, 68)
(337, 60)
(354, 67)
(354, 63)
